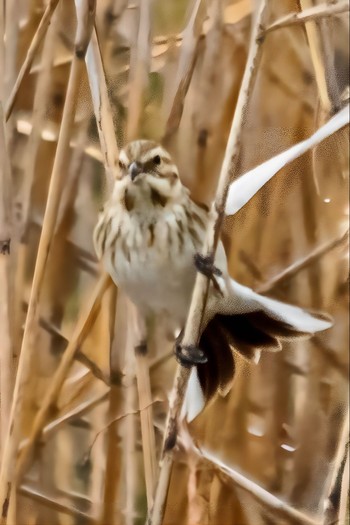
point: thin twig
(270, 502)
(299, 265)
(312, 13)
(34, 45)
(78, 411)
(79, 355)
(193, 324)
(53, 200)
(115, 420)
(58, 504)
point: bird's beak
(135, 169)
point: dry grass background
(81, 441)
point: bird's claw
(190, 355)
(205, 265)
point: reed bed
(89, 428)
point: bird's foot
(205, 265)
(190, 355)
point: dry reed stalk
(326, 29)
(317, 59)
(271, 503)
(211, 72)
(6, 371)
(56, 503)
(113, 452)
(40, 106)
(308, 14)
(199, 296)
(139, 69)
(84, 29)
(12, 40)
(35, 43)
(2, 49)
(56, 424)
(299, 265)
(112, 461)
(139, 79)
(189, 53)
(79, 356)
(129, 434)
(97, 457)
(102, 109)
(103, 115)
(146, 415)
(335, 504)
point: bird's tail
(259, 323)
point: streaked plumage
(147, 236)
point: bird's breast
(151, 258)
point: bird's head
(148, 173)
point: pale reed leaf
(243, 189)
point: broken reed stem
(199, 296)
(34, 45)
(312, 13)
(313, 38)
(53, 200)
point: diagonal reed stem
(34, 45)
(311, 13)
(199, 296)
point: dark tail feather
(249, 333)
(217, 374)
(245, 333)
(274, 327)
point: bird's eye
(156, 159)
(121, 165)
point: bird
(149, 236)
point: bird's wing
(243, 321)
